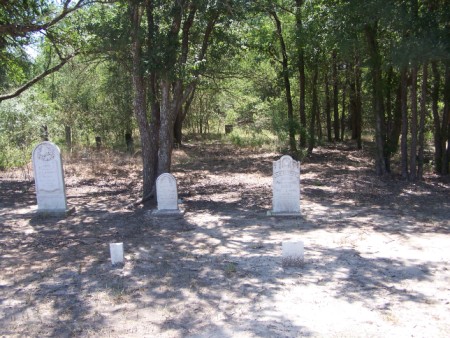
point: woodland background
(285, 74)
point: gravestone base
(272, 213)
(167, 213)
(55, 212)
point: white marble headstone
(166, 192)
(286, 186)
(49, 178)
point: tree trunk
(167, 119)
(423, 112)
(358, 81)
(129, 142)
(318, 121)
(301, 73)
(404, 109)
(68, 132)
(378, 106)
(139, 106)
(355, 105)
(436, 119)
(314, 109)
(287, 84)
(413, 143)
(343, 116)
(178, 129)
(446, 123)
(395, 123)
(328, 106)
(302, 81)
(388, 97)
(335, 98)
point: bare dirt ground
(376, 252)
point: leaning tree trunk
(178, 128)
(287, 83)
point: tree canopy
(300, 72)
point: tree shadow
(215, 272)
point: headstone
(49, 178)
(166, 195)
(116, 251)
(286, 187)
(292, 253)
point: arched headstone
(49, 178)
(286, 187)
(166, 192)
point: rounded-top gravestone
(166, 192)
(49, 178)
(286, 187)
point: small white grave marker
(292, 253)
(116, 250)
(49, 178)
(286, 187)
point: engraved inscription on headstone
(286, 186)
(49, 178)
(166, 191)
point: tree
(20, 23)
(175, 58)
(286, 80)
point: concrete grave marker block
(49, 179)
(286, 187)
(292, 253)
(116, 251)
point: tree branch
(15, 30)
(30, 83)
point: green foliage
(21, 120)
(241, 79)
(245, 138)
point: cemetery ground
(376, 251)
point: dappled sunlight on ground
(376, 252)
